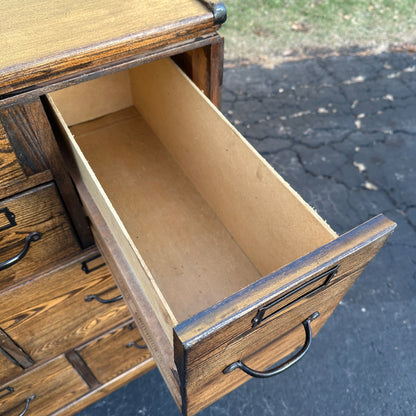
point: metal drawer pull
(28, 400)
(326, 277)
(89, 298)
(11, 218)
(8, 390)
(35, 236)
(135, 344)
(280, 368)
(85, 266)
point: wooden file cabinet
(116, 164)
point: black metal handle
(35, 236)
(8, 390)
(282, 367)
(11, 218)
(28, 400)
(135, 344)
(89, 298)
(287, 300)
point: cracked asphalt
(342, 131)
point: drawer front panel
(10, 170)
(210, 342)
(50, 314)
(115, 353)
(44, 389)
(8, 369)
(37, 211)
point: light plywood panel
(189, 252)
(270, 221)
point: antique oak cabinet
(137, 227)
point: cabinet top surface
(43, 33)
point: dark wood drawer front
(115, 353)
(49, 315)
(10, 170)
(44, 389)
(294, 294)
(8, 369)
(23, 163)
(37, 211)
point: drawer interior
(201, 211)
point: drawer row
(57, 311)
(64, 384)
(66, 335)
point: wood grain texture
(161, 52)
(31, 136)
(49, 315)
(38, 210)
(109, 356)
(10, 169)
(53, 384)
(208, 343)
(8, 369)
(49, 41)
(204, 66)
(14, 352)
(82, 369)
(25, 127)
(103, 390)
(20, 168)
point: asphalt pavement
(342, 131)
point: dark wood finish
(84, 371)
(32, 138)
(16, 174)
(149, 56)
(81, 55)
(8, 369)
(205, 67)
(109, 356)
(105, 389)
(219, 336)
(24, 127)
(54, 384)
(10, 169)
(13, 351)
(36, 314)
(38, 210)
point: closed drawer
(59, 310)
(220, 261)
(115, 353)
(42, 390)
(35, 233)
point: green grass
(272, 27)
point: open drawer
(225, 268)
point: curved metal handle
(35, 236)
(282, 367)
(28, 400)
(89, 298)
